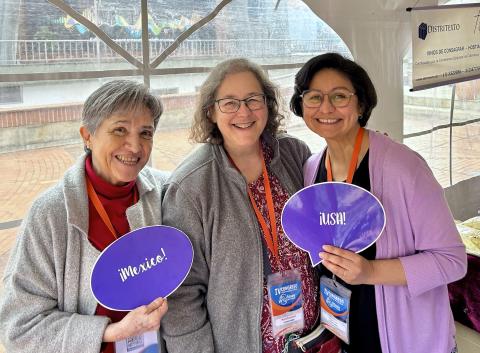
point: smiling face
(328, 121)
(121, 145)
(242, 129)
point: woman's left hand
(138, 321)
(347, 265)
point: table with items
(465, 293)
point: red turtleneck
(115, 199)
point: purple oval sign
(141, 266)
(333, 213)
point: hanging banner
(141, 266)
(445, 44)
(332, 213)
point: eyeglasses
(232, 105)
(338, 98)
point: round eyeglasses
(339, 98)
(232, 105)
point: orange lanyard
(101, 210)
(353, 160)
(271, 238)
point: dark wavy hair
(361, 82)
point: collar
(75, 192)
(221, 156)
(104, 188)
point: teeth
(243, 125)
(127, 160)
(328, 121)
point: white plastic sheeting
(378, 36)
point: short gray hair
(203, 129)
(118, 96)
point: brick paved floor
(27, 173)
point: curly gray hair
(203, 129)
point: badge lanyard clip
(351, 169)
(92, 195)
(353, 160)
(335, 298)
(271, 237)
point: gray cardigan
(47, 305)
(218, 307)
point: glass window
(43, 38)
(50, 63)
(10, 94)
(427, 131)
(259, 30)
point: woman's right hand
(143, 319)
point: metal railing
(19, 52)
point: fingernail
(326, 247)
(321, 254)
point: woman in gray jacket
(47, 304)
(219, 196)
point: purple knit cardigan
(420, 231)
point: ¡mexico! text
(132, 271)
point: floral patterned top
(290, 257)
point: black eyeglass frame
(239, 101)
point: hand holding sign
(138, 321)
(141, 266)
(351, 267)
(338, 214)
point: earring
(87, 149)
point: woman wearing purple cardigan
(399, 300)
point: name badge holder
(285, 287)
(286, 302)
(335, 307)
(145, 343)
(334, 297)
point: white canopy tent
(376, 32)
(378, 36)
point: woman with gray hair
(227, 196)
(47, 305)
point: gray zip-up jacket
(47, 305)
(218, 307)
